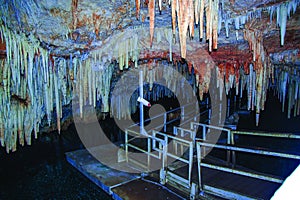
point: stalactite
(57, 100)
(283, 20)
(201, 17)
(174, 9)
(137, 5)
(191, 14)
(209, 21)
(183, 23)
(159, 4)
(215, 24)
(151, 10)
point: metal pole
(199, 166)
(165, 122)
(141, 85)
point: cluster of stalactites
(126, 47)
(187, 13)
(21, 86)
(283, 13)
(93, 83)
(190, 12)
(257, 77)
(284, 80)
(260, 71)
(34, 84)
(288, 88)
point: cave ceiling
(77, 26)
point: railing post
(220, 113)
(141, 85)
(196, 119)
(228, 143)
(228, 107)
(148, 153)
(209, 115)
(233, 152)
(165, 151)
(190, 163)
(204, 137)
(165, 122)
(207, 102)
(126, 145)
(199, 166)
(182, 112)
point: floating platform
(118, 184)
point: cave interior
(62, 62)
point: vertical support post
(199, 166)
(182, 112)
(207, 102)
(203, 132)
(196, 119)
(165, 122)
(204, 138)
(209, 115)
(228, 143)
(126, 145)
(220, 113)
(233, 152)
(141, 85)
(228, 107)
(234, 103)
(148, 153)
(190, 163)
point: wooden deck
(123, 185)
(237, 184)
(222, 183)
(118, 184)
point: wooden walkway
(237, 184)
(118, 184)
(219, 183)
(122, 185)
